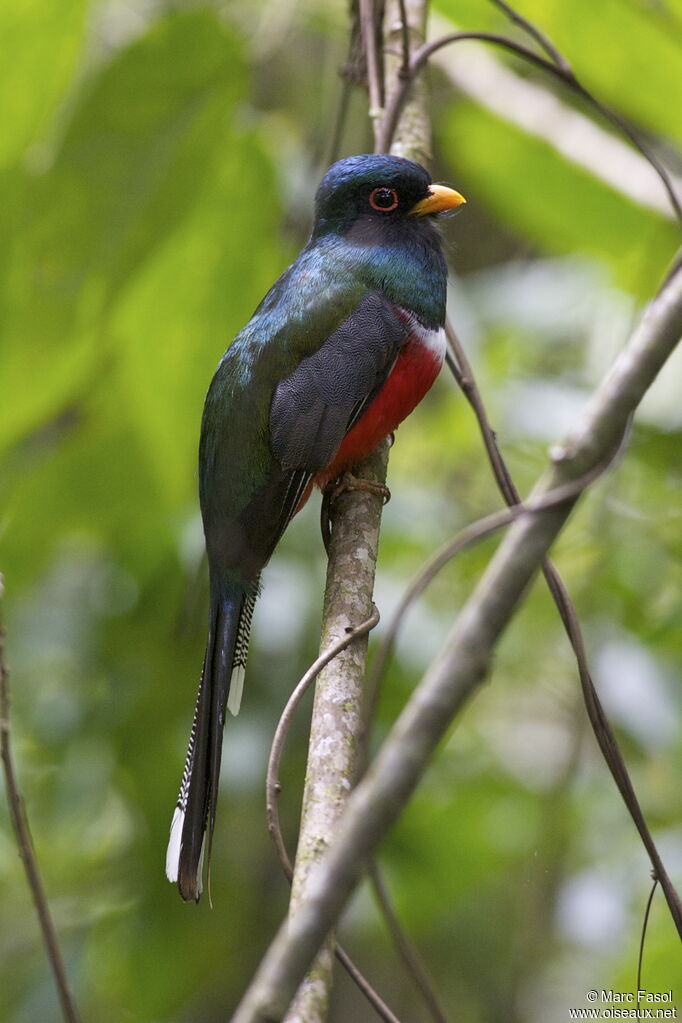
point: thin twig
(410, 136)
(603, 732)
(464, 539)
(273, 789)
(532, 30)
(25, 846)
(408, 952)
(377, 1003)
(562, 71)
(460, 367)
(272, 785)
(608, 743)
(420, 57)
(369, 41)
(404, 39)
(618, 122)
(645, 924)
(340, 121)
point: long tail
(222, 680)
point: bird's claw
(347, 481)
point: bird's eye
(383, 199)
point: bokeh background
(158, 166)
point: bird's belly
(414, 372)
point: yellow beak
(439, 198)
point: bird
(340, 350)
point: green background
(158, 163)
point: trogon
(341, 349)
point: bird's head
(374, 195)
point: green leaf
(627, 53)
(142, 135)
(40, 41)
(186, 305)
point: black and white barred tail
(221, 686)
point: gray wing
(314, 407)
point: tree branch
(461, 369)
(534, 32)
(337, 725)
(337, 713)
(409, 133)
(460, 667)
(25, 846)
(273, 789)
(368, 29)
(272, 785)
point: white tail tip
(173, 850)
(174, 843)
(234, 699)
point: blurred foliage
(158, 163)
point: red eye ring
(383, 199)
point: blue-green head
(379, 198)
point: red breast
(415, 370)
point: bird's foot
(347, 481)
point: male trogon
(338, 353)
